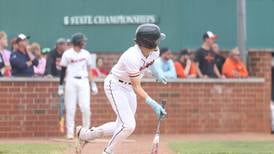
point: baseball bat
(62, 115)
(156, 139)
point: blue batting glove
(157, 108)
(161, 78)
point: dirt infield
(141, 144)
(134, 145)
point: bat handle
(163, 105)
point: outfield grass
(222, 147)
(32, 148)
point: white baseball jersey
(132, 63)
(77, 63)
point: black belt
(124, 82)
(79, 77)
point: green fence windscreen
(183, 21)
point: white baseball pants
(77, 91)
(123, 101)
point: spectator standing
(22, 61)
(99, 70)
(69, 44)
(219, 59)
(233, 66)
(164, 64)
(205, 58)
(4, 56)
(184, 67)
(53, 67)
(39, 70)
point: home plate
(94, 141)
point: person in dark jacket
(22, 61)
(219, 59)
(53, 66)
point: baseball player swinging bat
(156, 140)
(123, 86)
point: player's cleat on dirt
(70, 137)
(106, 152)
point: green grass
(222, 147)
(32, 148)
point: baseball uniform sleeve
(64, 61)
(131, 64)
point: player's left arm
(64, 62)
(158, 73)
(138, 89)
(61, 81)
(90, 75)
(93, 86)
(136, 85)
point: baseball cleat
(70, 137)
(79, 142)
(94, 133)
(105, 152)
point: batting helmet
(78, 39)
(148, 36)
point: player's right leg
(84, 101)
(119, 97)
(106, 129)
(70, 105)
(125, 123)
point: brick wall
(30, 107)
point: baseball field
(244, 143)
(137, 77)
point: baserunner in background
(75, 63)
